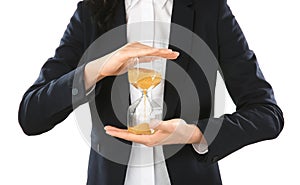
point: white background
(30, 32)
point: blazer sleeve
(49, 100)
(257, 115)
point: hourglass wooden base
(140, 129)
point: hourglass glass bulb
(143, 76)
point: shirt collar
(131, 3)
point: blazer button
(74, 91)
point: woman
(53, 96)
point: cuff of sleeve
(211, 129)
(78, 87)
(201, 148)
(202, 151)
(91, 90)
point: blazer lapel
(182, 15)
(120, 16)
(120, 22)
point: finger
(143, 139)
(165, 53)
(140, 49)
(111, 128)
(144, 46)
(139, 45)
(147, 59)
(157, 138)
(171, 56)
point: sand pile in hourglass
(143, 79)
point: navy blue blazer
(53, 96)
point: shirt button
(74, 91)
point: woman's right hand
(116, 62)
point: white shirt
(148, 22)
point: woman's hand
(116, 62)
(175, 131)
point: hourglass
(145, 74)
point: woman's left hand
(174, 131)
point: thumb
(154, 123)
(167, 126)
